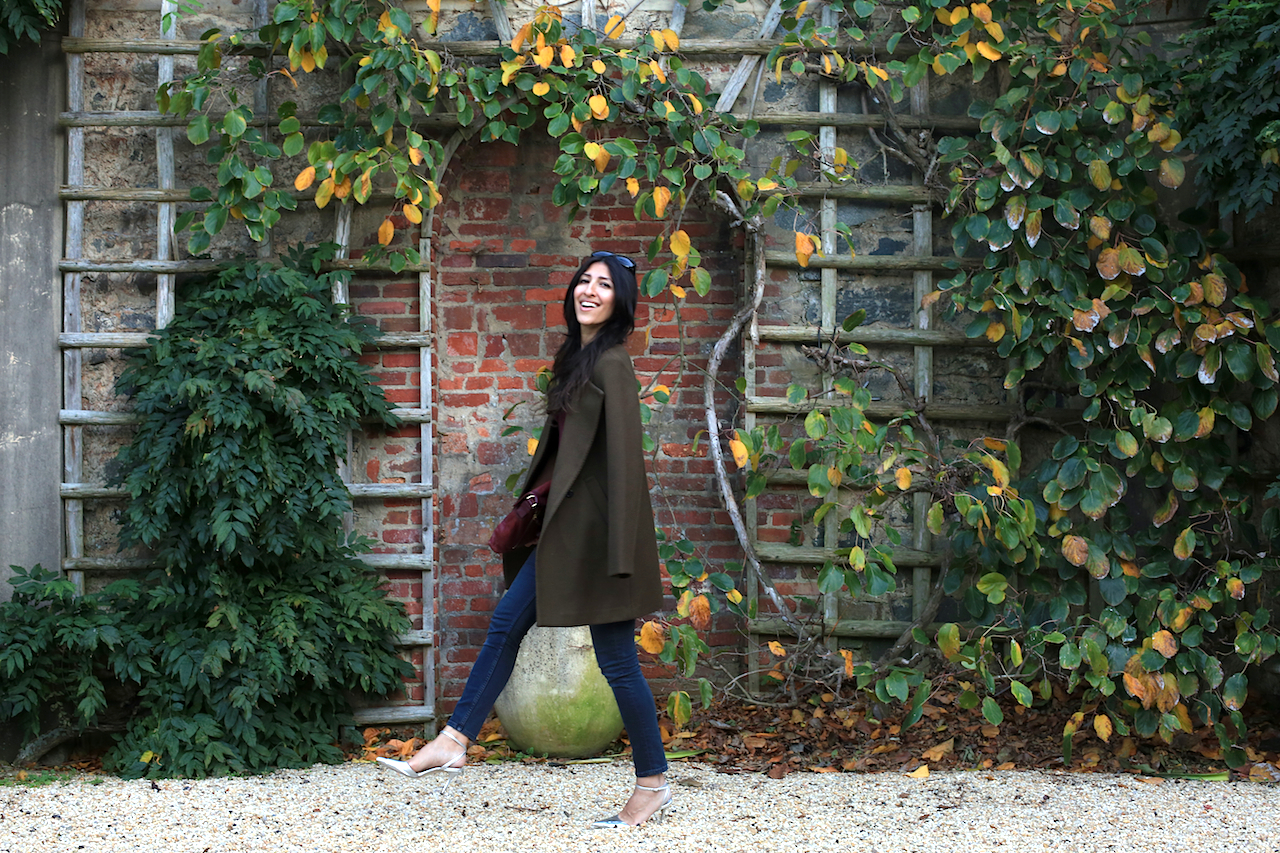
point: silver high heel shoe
(450, 768)
(616, 822)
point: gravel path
(536, 808)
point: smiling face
(593, 300)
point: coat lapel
(579, 431)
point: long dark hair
(575, 363)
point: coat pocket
(595, 493)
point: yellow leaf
(996, 444)
(633, 187)
(944, 15)
(652, 638)
(936, 753)
(739, 451)
(848, 662)
(509, 69)
(995, 332)
(522, 36)
(1207, 419)
(592, 150)
(988, 51)
(567, 55)
(981, 11)
(305, 178)
(995, 31)
(433, 195)
(734, 596)
(678, 291)
(680, 243)
(656, 68)
(659, 40)
(1076, 550)
(541, 88)
(413, 213)
(308, 61)
(324, 192)
(695, 103)
(415, 156)
(921, 772)
(672, 39)
(776, 648)
(960, 13)
(661, 198)
(1164, 642)
(669, 107)
(700, 613)
(1235, 588)
(598, 67)
(1102, 727)
(599, 106)
(840, 159)
(343, 189)
(386, 231)
(613, 29)
(544, 56)
(903, 478)
(804, 248)
(531, 446)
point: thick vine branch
(713, 426)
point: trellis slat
(84, 417)
(872, 335)
(873, 263)
(885, 409)
(127, 340)
(117, 565)
(361, 491)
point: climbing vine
(1109, 542)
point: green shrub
(241, 650)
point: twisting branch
(740, 319)
(831, 361)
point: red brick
(462, 344)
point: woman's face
(593, 300)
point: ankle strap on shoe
(663, 787)
(450, 736)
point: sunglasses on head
(622, 259)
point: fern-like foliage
(241, 653)
(1230, 82)
(24, 19)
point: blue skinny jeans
(615, 649)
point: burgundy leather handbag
(523, 525)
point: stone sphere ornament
(557, 702)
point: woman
(596, 562)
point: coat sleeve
(628, 485)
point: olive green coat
(598, 556)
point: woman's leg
(515, 614)
(616, 654)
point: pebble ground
(537, 808)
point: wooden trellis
(73, 340)
(916, 265)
